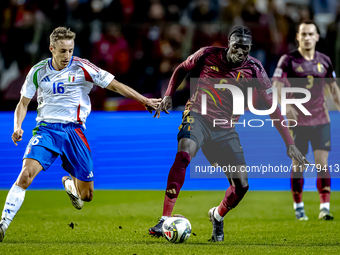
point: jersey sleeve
(185, 67)
(264, 89)
(281, 71)
(30, 85)
(264, 86)
(330, 75)
(193, 60)
(94, 74)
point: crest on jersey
(240, 77)
(299, 69)
(320, 68)
(71, 76)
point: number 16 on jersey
(58, 88)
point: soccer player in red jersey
(310, 69)
(197, 131)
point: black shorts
(219, 145)
(319, 136)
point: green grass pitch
(117, 222)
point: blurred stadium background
(142, 42)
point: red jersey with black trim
(214, 68)
(295, 71)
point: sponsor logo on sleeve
(268, 91)
(278, 72)
(103, 77)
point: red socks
(231, 199)
(175, 181)
(323, 183)
(296, 182)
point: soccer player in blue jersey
(63, 83)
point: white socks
(14, 200)
(298, 205)
(322, 205)
(325, 205)
(217, 216)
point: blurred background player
(197, 131)
(63, 83)
(310, 69)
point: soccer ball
(176, 229)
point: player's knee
(240, 180)
(244, 182)
(25, 179)
(241, 190)
(241, 185)
(86, 195)
(187, 148)
(321, 163)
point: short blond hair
(61, 33)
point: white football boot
(71, 191)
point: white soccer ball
(176, 229)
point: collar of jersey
(303, 58)
(52, 68)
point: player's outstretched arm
(291, 112)
(294, 153)
(149, 103)
(335, 92)
(267, 98)
(176, 79)
(163, 107)
(19, 116)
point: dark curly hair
(241, 31)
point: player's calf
(232, 197)
(175, 182)
(86, 195)
(14, 200)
